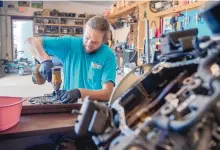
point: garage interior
(13, 24)
(110, 75)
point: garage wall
(5, 21)
(1, 42)
(121, 34)
(4, 33)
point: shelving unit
(57, 17)
(143, 7)
(63, 25)
(62, 34)
(58, 26)
(126, 9)
(155, 17)
(171, 11)
(136, 28)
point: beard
(91, 51)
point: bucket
(10, 111)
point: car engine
(174, 105)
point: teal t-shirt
(82, 70)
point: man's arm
(100, 95)
(108, 82)
(43, 47)
(36, 49)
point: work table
(39, 121)
(38, 124)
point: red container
(10, 111)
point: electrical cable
(154, 24)
(134, 53)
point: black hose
(165, 91)
(205, 138)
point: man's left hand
(70, 96)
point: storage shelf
(57, 17)
(72, 34)
(179, 9)
(125, 9)
(58, 24)
(64, 25)
(48, 34)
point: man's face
(92, 39)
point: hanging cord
(132, 57)
(153, 22)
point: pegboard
(202, 26)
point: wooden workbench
(38, 124)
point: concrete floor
(22, 86)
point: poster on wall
(23, 3)
(37, 4)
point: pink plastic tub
(10, 111)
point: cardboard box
(46, 12)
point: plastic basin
(10, 111)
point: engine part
(135, 98)
(93, 119)
(53, 98)
(180, 41)
(42, 100)
(128, 81)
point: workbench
(39, 124)
(35, 129)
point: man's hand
(45, 70)
(70, 96)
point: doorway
(21, 30)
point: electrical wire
(154, 24)
(134, 53)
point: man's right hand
(45, 70)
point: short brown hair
(101, 24)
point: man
(89, 66)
